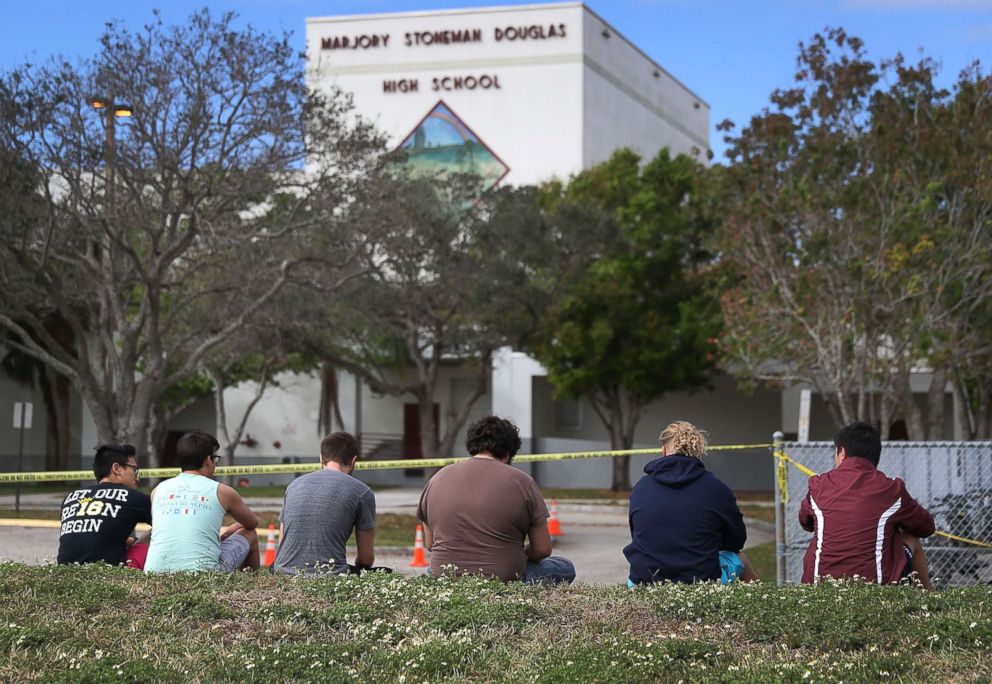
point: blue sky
(732, 53)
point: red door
(169, 454)
(411, 434)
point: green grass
(36, 488)
(763, 560)
(391, 529)
(765, 513)
(98, 624)
(763, 496)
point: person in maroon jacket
(864, 524)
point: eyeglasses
(216, 458)
(135, 468)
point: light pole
(111, 111)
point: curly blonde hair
(684, 438)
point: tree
(844, 223)
(256, 356)
(225, 186)
(444, 285)
(636, 320)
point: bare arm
(539, 547)
(428, 537)
(365, 540)
(236, 506)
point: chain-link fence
(952, 480)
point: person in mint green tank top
(189, 512)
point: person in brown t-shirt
(477, 513)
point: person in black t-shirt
(97, 521)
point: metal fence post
(780, 567)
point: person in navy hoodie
(685, 525)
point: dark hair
(340, 447)
(193, 448)
(861, 440)
(496, 436)
(109, 454)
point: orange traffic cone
(270, 547)
(418, 550)
(554, 527)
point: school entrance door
(411, 435)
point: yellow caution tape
(784, 457)
(966, 540)
(294, 468)
(37, 522)
(783, 483)
(782, 475)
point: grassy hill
(86, 624)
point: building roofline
(645, 55)
(493, 9)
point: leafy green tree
(857, 232)
(443, 285)
(224, 187)
(634, 318)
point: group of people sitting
(482, 516)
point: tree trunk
(105, 432)
(428, 428)
(886, 410)
(158, 433)
(63, 411)
(983, 429)
(609, 407)
(457, 416)
(618, 441)
(51, 412)
(621, 474)
(831, 399)
(329, 413)
(621, 464)
(964, 414)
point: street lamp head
(98, 103)
(122, 110)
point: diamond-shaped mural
(442, 143)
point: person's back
(188, 518)
(481, 528)
(682, 517)
(98, 519)
(478, 513)
(189, 510)
(862, 520)
(320, 511)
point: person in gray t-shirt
(321, 509)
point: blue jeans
(550, 570)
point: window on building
(568, 414)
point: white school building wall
(563, 89)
